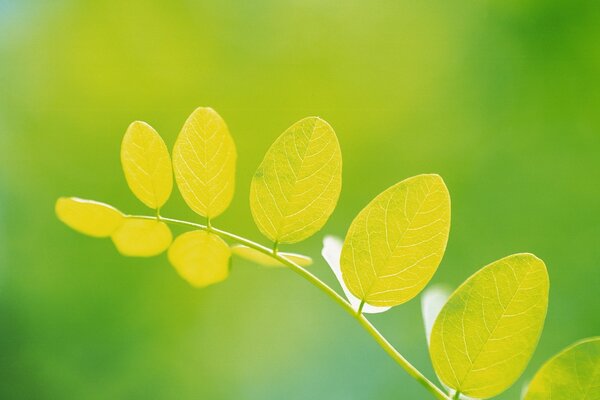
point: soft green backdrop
(502, 98)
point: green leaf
(396, 243)
(204, 159)
(486, 333)
(573, 374)
(201, 258)
(142, 237)
(296, 187)
(88, 217)
(147, 165)
(256, 256)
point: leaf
(256, 256)
(487, 331)
(432, 301)
(332, 250)
(395, 244)
(201, 258)
(204, 159)
(296, 187)
(88, 216)
(573, 374)
(147, 165)
(142, 237)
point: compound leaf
(395, 244)
(486, 333)
(142, 237)
(256, 256)
(88, 217)
(146, 164)
(204, 159)
(573, 374)
(201, 258)
(296, 187)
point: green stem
(360, 307)
(456, 396)
(359, 317)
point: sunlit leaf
(297, 185)
(332, 250)
(201, 258)
(142, 237)
(573, 374)
(89, 217)
(146, 164)
(486, 333)
(204, 159)
(260, 258)
(432, 301)
(396, 243)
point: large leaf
(297, 185)
(147, 165)
(396, 243)
(573, 374)
(487, 331)
(201, 258)
(142, 237)
(204, 159)
(256, 256)
(88, 217)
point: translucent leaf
(260, 258)
(201, 258)
(432, 301)
(88, 217)
(332, 250)
(487, 331)
(297, 185)
(396, 243)
(147, 165)
(204, 161)
(572, 374)
(142, 237)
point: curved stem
(362, 320)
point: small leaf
(296, 187)
(88, 217)
(142, 237)
(201, 258)
(204, 159)
(487, 331)
(256, 256)
(332, 250)
(572, 374)
(147, 165)
(396, 243)
(432, 301)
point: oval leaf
(396, 243)
(572, 374)
(297, 185)
(142, 237)
(147, 165)
(204, 161)
(256, 256)
(487, 331)
(88, 217)
(201, 258)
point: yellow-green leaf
(142, 237)
(296, 187)
(260, 258)
(146, 164)
(89, 217)
(486, 333)
(573, 374)
(396, 243)
(201, 258)
(204, 161)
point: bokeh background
(502, 98)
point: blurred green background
(502, 98)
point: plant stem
(358, 316)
